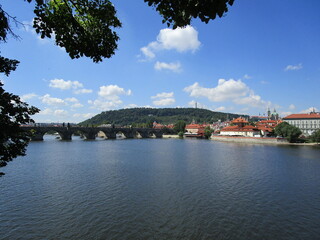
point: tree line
(146, 116)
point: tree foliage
(137, 116)
(13, 113)
(315, 136)
(207, 132)
(180, 126)
(88, 27)
(179, 13)
(6, 65)
(291, 133)
(82, 27)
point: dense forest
(138, 116)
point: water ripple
(161, 189)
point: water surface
(161, 189)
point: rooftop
(312, 115)
(239, 120)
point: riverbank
(170, 136)
(260, 140)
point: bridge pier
(90, 135)
(144, 134)
(37, 137)
(111, 135)
(158, 135)
(66, 136)
(129, 135)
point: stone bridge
(90, 133)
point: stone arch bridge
(90, 133)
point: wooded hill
(138, 116)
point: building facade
(306, 122)
(240, 127)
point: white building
(306, 122)
(240, 127)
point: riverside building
(306, 122)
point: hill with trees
(146, 116)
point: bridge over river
(90, 133)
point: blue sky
(261, 54)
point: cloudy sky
(261, 54)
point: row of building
(263, 127)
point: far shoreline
(252, 140)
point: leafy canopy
(82, 27)
(291, 133)
(88, 27)
(13, 113)
(315, 136)
(179, 13)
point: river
(161, 189)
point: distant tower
(269, 113)
(196, 104)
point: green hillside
(138, 116)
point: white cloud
(252, 100)
(76, 86)
(52, 101)
(309, 110)
(226, 90)
(147, 52)
(175, 67)
(72, 100)
(246, 76)
(83, 115)
(292, 107)
(46, 111)
(60, 113)
(28, 96)
(131, 105)
(104, 105)
(163, 95)
(179, 39)
(163, 99)
(83, 90)
(220, 109)
(77, 105)
(65, 85)
(293, 67)
(112, 92)
(264, 82)
(109, 97)
(164, 102)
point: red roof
(265, 129)
(194, 126)
(239, 120)
(303, 115)
(247, 128)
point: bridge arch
(90, 133)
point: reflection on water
(161, 189)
